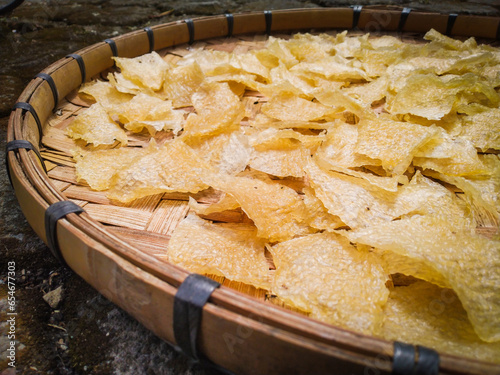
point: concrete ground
(80, 332)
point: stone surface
(87, 334)
(54, 297)
(11, 87)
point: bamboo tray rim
(29, 175)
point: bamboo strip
(247, 289)
(147, 203)
(57, 139)
(78, 100)
(119, 216)
(489, 232)
(154, 244)
(229, 216)
(179, 52)
(58, 159)
(278, 302)
(64, 112)
(49, 165)
(65, 123)
(67, 174)
(86, 193)
(54, 152)
(252, 106)
(166, 216)
(137, 139)
(61, 185)
(218, 278)
(205, 196)
(79, 202)
(171, 58)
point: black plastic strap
(498, 31)
(404, 16)
(356, 12)
(55, 212)
(189, 300)
(112, 45)
(81, 64)
(52, 84)
(190, 25)
(406, 362)
(452, 17)
(269, 21)
(230, 24)
(428, 361)
(403, 361)
(17, 144)
(151, 38)
(28, 107)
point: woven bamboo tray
(119, 249)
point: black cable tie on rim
(356, 12)
(428, 361)
(269, 21)
(403, 361)
(48, 78)
(189, 300)
(452, 17)
(151, 38)
(55, 212)
(407, 361)
(404, 16)
(112, 45)
(81, 64)
(15, 145)
(28, 107)
(190, 25)
(230, 24)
